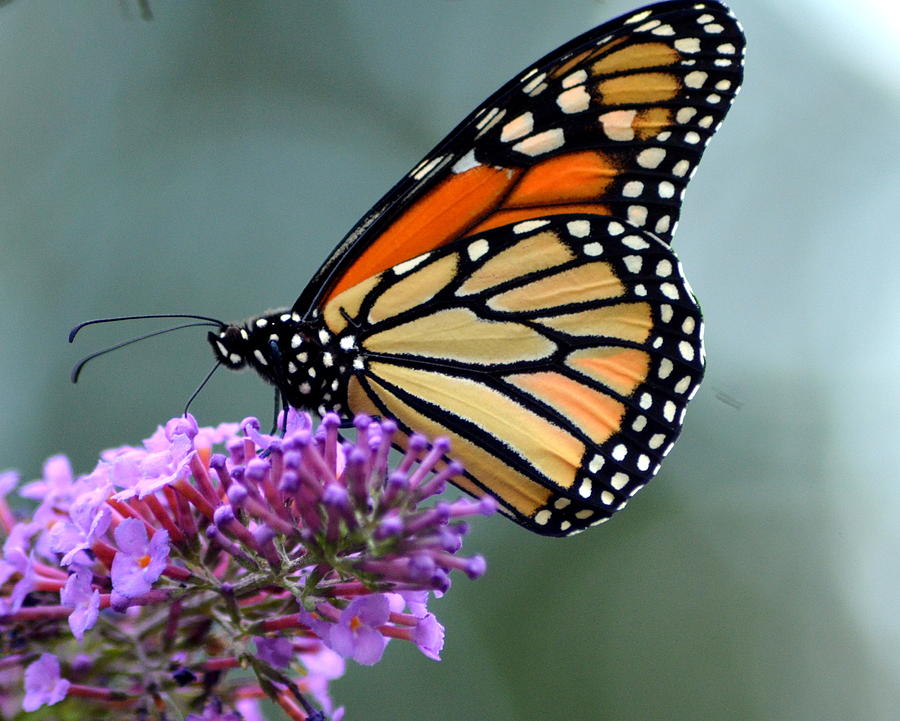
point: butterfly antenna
(97, 321)
(76, 371)
(200, 387)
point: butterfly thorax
(299, 357)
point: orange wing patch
(571, 178)
(597, 414)
(441, 215)
(620, 369)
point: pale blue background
(208, 160)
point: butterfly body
(516, 291)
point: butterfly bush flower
(138, 588)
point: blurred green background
(207, 160)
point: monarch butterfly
(516, 291)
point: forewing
(613, 123)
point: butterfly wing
(557, 354)
(612, 123)
(517, 292)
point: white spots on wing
(542, 517)
(688, 45)
(665, 312)
(722, 62)
(359, 364)
(579, 228)
(683, 384)
(713, 98)
(529, 225)
(639, 289)
(664, 268)
(633, 189)
(296, 340)
(494, 116)
(666, 189)
(585, 488)
(689, 325)
(615, 228)
(662, 225)
(291, 367)
(633, 263)
(706, 121)
(723, 85)
(619, 452)
(656, 440)
(664, 136)
(596, 464)
(686, 350)
(425, 167)
(635, 242)
(261, 323)
(637, 215)
(639, 423)
(574, 100)
(645, 401)
(593, 249)
(245, 335)
(726, 49)
(541, 143)
(649, 25)
(305, 387)
(466, 162)
(517, 128)
(617, 124)
(573, 79)
(643, 462)
(561, 503)
(713, 28)
(691, 137)
(408, 265)
(669, 411)
(650, 158)
(681, 168)
(638, 17)
(705, 18)
(663, 31)
(478, 248)
(607, 498)
(684, 115)
(665, 368)
(327, 360)
(284, 317)
(619, 480)
(260, 357)
(348, 342)
(695, 79)
(670, 290)
(533, 86)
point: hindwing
(557, 354)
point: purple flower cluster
(171, 564)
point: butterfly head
(286, 351)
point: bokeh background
(206, 161)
